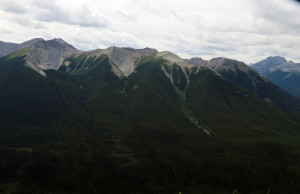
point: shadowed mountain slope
(250, 79)
(123, 120)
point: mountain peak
(173, 58)
(250, 79)
(286, 74)
(221, 63)
(56, 42)
(197, 61)
(32, 41)
(48, 54)
(268, 63)
(146, 50)
(59, 40)
(276, 58)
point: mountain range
(124, 120)
(285, 74)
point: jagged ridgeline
(123, 120)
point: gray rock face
(197, 61)
(49, 54)
(43, 54)
(123, 60)
(268, 63)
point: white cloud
(247, 30)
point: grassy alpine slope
(84, 130)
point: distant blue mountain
(285, 74)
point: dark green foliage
(26, 96)
(265, 89)
(240, 77)
(179, 78)
(84, 130)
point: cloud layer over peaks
(247, 30)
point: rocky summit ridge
(41, 55)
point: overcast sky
(246, 30)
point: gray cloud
(13, 7)
(277, 16)
(50, 11)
